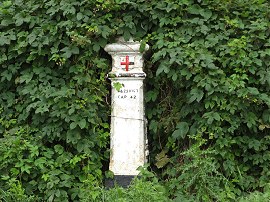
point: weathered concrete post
(128, 134)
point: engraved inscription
(126, 93)
(125, 90)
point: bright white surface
(128, 139)
(127, 127)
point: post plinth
(128, 134)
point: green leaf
(79, 16)
(142, 46)
(182, 130)
(59, 149)
(216, 116)
(151, 95)
(153, 126)
(26, 77)
(6, 4)
(73, 125)
(174, 77)
(253, 91)
(40, 162)
(105, 31)
(68, 51)
(26, 168)
(117, 86)
(31, 38)
(82, 145)
(42, 109)
(96, 47)
(73, 136)
(162, 68)
(71, 110)
(254, 144)
(161, 159)
(19, 21)
(206, 13)
(194, 9)
(3, 58)
(4, 40)
(196, 94)
(82, 123)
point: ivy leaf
(216, 116)
(3, 57)
(82, 123)
(6, 4)
(105, 31)
(117, 86)
(68, 51)
(73, 125)
(71, 110)
(142, 46)
(126, 34)
(163, 67)
(59, 149)
(206, 13)
(254, 144)
(31, 38)
(73, 136)
(83, 145)
(151, 95)
(174, 77)
(161, 159)
(253, 91)
(4, 40)
(194, 9)
(27, 77)
(182, 130)
(19, 21)
(153, 126)
(96, 47)
(79, 16)
(42, 109)
(26, 168)
(196, 94)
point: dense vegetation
(207, 97)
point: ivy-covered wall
(208, 80)
(54, 97)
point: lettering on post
(126, 93)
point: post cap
(123, 46)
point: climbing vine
(208, 81)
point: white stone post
(128, 134)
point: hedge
(207, 84)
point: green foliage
(51, 172)
(139, 190)
(198, 177)
(117, 86)
(211, 65)
(256, 196)
(207, 75)
(16, 193)
(54, 116)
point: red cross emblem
(127, 61)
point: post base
(120, 180)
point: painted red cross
(127, 62)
